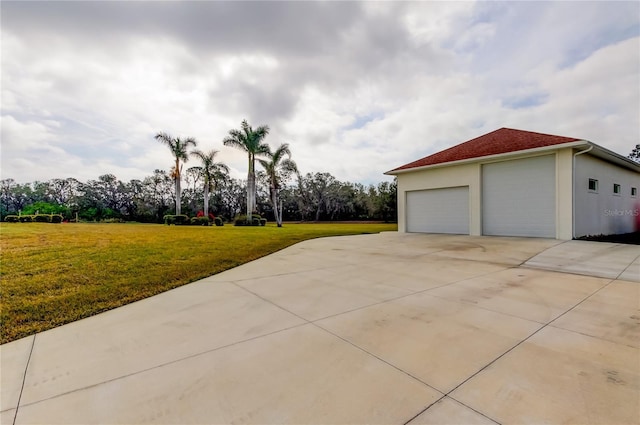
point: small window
(634, 192)
(593, 185)
(616, 189)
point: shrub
(39, 218)
(113, 220)
(181, 219)
(176, 219)
(219, 221)
(42, 218)
(240, 220)
(200, 221)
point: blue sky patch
(527, 101)
(362, 120)
(596, 41)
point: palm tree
(211, 171)
(178, 148)
(250, 141)
(278, 168)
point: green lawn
(52, 274)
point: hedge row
(180, 220)
(35, 218)
(256, 220)
(184, 220)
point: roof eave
(607, 155)
(574, 144)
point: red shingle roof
(499, 141)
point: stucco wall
(603, 212)
(564, 194)
(436, 178)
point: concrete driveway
(387, 329)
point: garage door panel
(518, 197)
(438, 210)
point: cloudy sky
(355, 88)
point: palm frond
(262, 149)
(198, 154)
(212, 154)
(236, 143)
(182, 146)
(265, 164)
(190, 141)
(280, 152)
(164, 138)
(262, 131)
(236, 134)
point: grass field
(52, 274)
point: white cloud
(355, 88)
(435, 22)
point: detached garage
(520, 183)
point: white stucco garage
(520, 183)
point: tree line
(310, 197)
(279, 191)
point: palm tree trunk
(274, 204)
(206, 199)
(279, 200)
(250, 195)
(178, 190)
(251, 191)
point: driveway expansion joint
(549, 323)
(161, 365)
(455, 400)
(424, 410)
(313, 323)
(378, 358)
(627, 268)
(580, 302)
(24, 378)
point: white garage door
(518, 197)
(438, 210)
